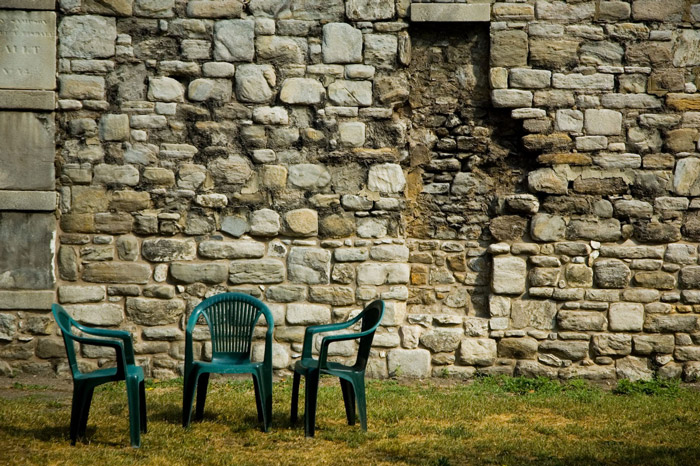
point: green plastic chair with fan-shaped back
(231, 318)
(352, 378)
(84, 383)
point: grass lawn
(491, 421)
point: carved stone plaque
(27, 49)
(26, 251)
(27, 151)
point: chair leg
(85, 411)
(268, 400)
(258, 398)
(190, 385)
(349, 399)
(142, 405)
(202, 387)
(76, 412)
(132, 393)
(359, 384)
(295, 398)
(310, 399)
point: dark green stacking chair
(85, 383)
(231, 318)
(352, 378)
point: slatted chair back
(371, 317)
(65, 323)
(231, 318)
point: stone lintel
(450, 12)
(27, 300)
(34, 201)
(27, 100)
(28, 4)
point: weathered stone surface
(546, 180)
(29, 52)
(601, 230)
(653, 344)
(533, 314)
(147, 311)
(309, 176)
(386, 178)
(650, 10)
(611, 345)
(381, 274)
(23, 133)
(256, 271)
(116, 272)
(442, 340)
(265, 222)
(211, 273)
(97, 314)
(517, 348)
(409, 363)
(477, 352)
(342, 43)
(671, 323)
(233, 40)
(571, 350)
(509, 48)
(80, 294)
(166, 250)
(581, 321)
(626, 317)
(304, 91)
(308, 314)
(309, 265)
(333, 295)
(255, 83)
(87, 36)
(350, 93)
(165, 90)
(611, 273)
(508, 227)
(508, 276)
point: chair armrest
(117, 345)
(314, 329)
(325, 343)
(123, 335)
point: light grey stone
(234, 170)
(687, 48)
(380, 274)
(97, 314)
(342, 43)
(546, 227)
(477, 352)
(26, 133)
(309, 176)
(533, 314)
(626, 317)
(234, 40)
(603, 122)
(547, 181)
(350, 93)
(167, 250)
(450, 12)
(203, 89)
(255, 83)
(352, 133)
(611, 273)
(304, 91)
(511, 98)
(211, 273)
(308, 314)
(686, 177)
(530, 79)
(389, 253)
(414, 363)
(381, 51)
(87, 36)
(256, 271)
(386, 178)
(368, 10)
(80, 294)
(569, 120)
(309, 265)
(508, 275)
(8, 327)
(265, 222)
(165, 90)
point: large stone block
(508, 275)
(27, 250)
(231, 249)
(409, 363)
(351, 93)
(308, 314)
(309, 265)
(234, 40)
(27, 152)
(87, 36)
(533, 314)
(210, 273)
(477, 352)
(626, 317)
(116, 272)
(166, 250)
(573, 350)
(148, 311)
(255, 83)
(517, 348)
(368, 10)
(256, 271)
(105, 314)
(509, 48)
(303, 91)
(611, 273)
(28, 53)
(342, 43)
(442, 340)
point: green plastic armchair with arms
(231, 318)
(84, 383)
(352, 378)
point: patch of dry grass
(490, 422)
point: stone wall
(520, 191)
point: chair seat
(303, 366)
(224, 366)
(111, 374)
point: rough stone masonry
(519, 181)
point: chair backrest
(65, 323)
(231, 318)
(371, 317)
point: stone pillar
(27, 180)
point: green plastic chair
(231, 318)
(352, 378)
(84, 383)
